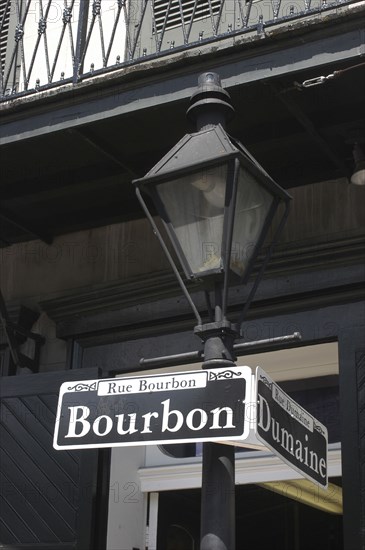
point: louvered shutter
(4, 31)
(47, 497)
(9, 49)
(168, 24)
(192, 10)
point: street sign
(204, 405)
(290, 431)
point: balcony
(52, 43)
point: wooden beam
(27, 227)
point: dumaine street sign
(290, 431)
(204, 405)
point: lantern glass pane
(194, 205)
(252, 207)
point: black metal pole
(217, 519)
(218, 522)
(218, 526)
(217, 530)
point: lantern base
(218, 341)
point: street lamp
(217, 205)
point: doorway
(264, 519)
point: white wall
(43, 65)
(127, 505)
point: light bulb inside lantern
(213, 185)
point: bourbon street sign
(290, 431)
(204, 405)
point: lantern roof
(207, 146)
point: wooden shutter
(190, 10)
(47, 497)
(4, 30)
(161, 25)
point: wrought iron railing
(46, 43)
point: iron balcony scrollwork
(55, 42)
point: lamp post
(217, 205)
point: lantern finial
(210, 104)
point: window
(264, 520)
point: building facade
(93, 94)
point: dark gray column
(352, 406)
